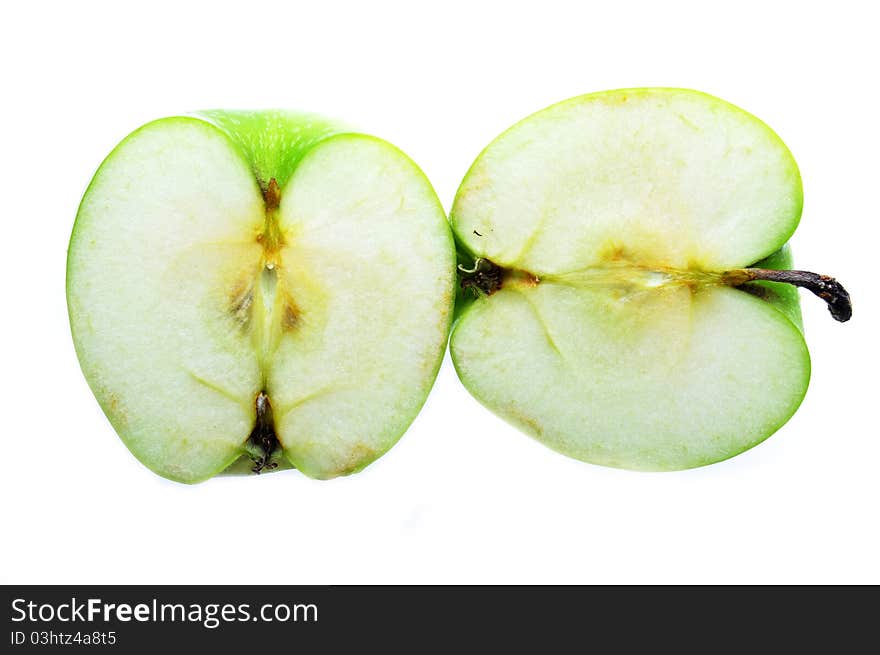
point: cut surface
(373, 262)
(190, 293)
(662, 380)
(612, 338)
(656, 176)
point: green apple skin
(274, 142)
(534, 203)
(216, 255)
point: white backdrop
(463, 497)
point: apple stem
(263, 437)
(824, 286)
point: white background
(463, 497)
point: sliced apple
(609, 246)
(259, 286)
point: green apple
(252, 290)
(617, 252)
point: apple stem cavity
(263, 441)
(272, 237)
(487, 277)
(272, 195)
(824, 286)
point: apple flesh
(249, 290)
(613, 249)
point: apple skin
(273, 143)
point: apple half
(621, 301)
(252, 290)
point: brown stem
(824, 286)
